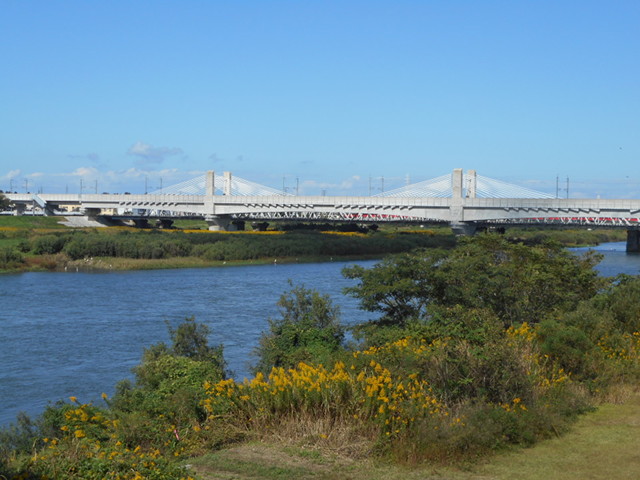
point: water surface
(64, 334)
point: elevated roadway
(460, 207)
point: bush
(48, 244)
(309, 330)
(10, 258)
(517, 283)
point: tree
(190, 339)
(169, 379)
(400, 286)
(4, 202)
(309, 330)
(516, 283)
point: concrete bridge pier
(633, 241)
(91, 212)
(19, 209)
(219, 223)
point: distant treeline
(217, 246)
(26, 248)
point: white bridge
(464, 201)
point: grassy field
(601, 445)
(30, 222)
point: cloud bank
(148, 154)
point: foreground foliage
(490, 345)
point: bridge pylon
(633, 241)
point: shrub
(309, 330)
(10, 258)
(48, 244)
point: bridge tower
(216, 222)
(457, 222)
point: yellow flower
(73, 399)
(79, 434)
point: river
(64, 334)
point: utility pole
(297, 186)
(557, 185)
(567, 187)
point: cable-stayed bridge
(466, 201)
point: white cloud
(12, 174)
(84, 172)
(149, 154)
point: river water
(64, 334)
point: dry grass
(602, 445)
(322, 435)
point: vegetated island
(30, 243)
(478, 349)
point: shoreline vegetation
(43, 244)
(484, 350)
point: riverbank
(123, 248)
(106, 264)
(601, 444)
(42, 244)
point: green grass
(30, 221)
(601, 445)
(604, 444)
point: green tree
(191, 339)
(169, 380)
(518, 283)
(308, 330)
(4, 202)
(515, 282)
(400, 286)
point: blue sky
(125, 95)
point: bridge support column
(91, 212)
(219, 223)
(633, 241)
